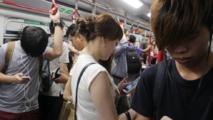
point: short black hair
(71, 30)
(132, 38)
(52, 28)
(34, 40)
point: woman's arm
(101, 93)
(134, 116)
(149, 47)
(67, 91)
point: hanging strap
(45, 63)
(8, 55)
(47, 66)
(79, 79)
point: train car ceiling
(19, 12)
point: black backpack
(133, 61)
(46, 77)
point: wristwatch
(58, 24)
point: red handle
(54, 5)
(73, 14)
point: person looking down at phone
(131, 86)
(96, 85)
(50, 102)
(78, 39)
(19, 96)
(185, 86)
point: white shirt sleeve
(91, 72)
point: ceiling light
(134, 3)
(149, 14)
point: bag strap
(40, 65)
(79, 79)
(160, 76)
(8, 55)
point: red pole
(160, 56)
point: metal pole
(125, 14)
(94, 7)
(76, 4)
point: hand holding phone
(56, 73)
(131, 86)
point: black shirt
(177, 100)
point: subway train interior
(106, 60)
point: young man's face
(192, 50)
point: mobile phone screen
(132, 85)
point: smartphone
(25, 77)
(56, 73)
(131, 86)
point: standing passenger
(96, 90)
(50, 102)
(19, 96)
(185, 88)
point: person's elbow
(67, 97)
(57, 53)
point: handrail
(54, 5)
(73, 14)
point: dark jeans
(32, 115)
(49, 107)
(123, 104)
(144, 55)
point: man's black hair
(71, 30)
(132, 38)
(34, 40)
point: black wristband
(58, 24)
(128, 115)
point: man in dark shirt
(184, 28)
